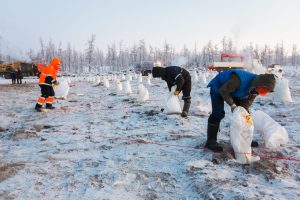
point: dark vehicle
(145, 67)
(27, 69)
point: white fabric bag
(173, 103)
(282, 91)
(128, 89)
(195, 76)
(142, 93)
(62, 90)
(241, 133)
(274, 135)
(106, 82)
(119, 86)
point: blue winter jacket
(245, 82)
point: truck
(27, 69)
(228, 61)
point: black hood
(158, 72)
(264, 80)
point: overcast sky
(23, 22)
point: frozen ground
(99, 145)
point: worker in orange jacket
(47, 80)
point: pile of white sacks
(242, 127)
(123, 86)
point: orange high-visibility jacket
(48, 75)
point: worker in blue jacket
(236, 88)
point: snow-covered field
(98, 144)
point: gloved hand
(232, 106)
(55, 83)
(176, 93)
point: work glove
(232, 106)
(55, 83)
(176, 93)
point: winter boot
(38, 107)
(254, 144)
(49, 106)
(212, 132)
(186, 107)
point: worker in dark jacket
(180, 77)
(236, 88)
(13, 76)
(19, 77)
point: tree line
(117, 57)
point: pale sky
(23, 22)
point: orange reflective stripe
(49, 100)
(46, 74)
(41, 100)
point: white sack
(241, 133)
(140, 78)
(123, 78)
(282, 91)
(195, 77)
(128, 87)
(62, 90)
(98, 79)
(143, 94)
(173, 103)
(148, 81)
(274, 135)
(202, 78)
(119, 86)
(106, 82)
(129, 77)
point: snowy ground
(99, 145)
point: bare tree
(68, 58)
(112, 57)
(90, 51)
(279, 53)
(1, 56)
(50, 51)
(294, 57)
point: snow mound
(203, 106)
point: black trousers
(186, 90)
(47, 91)
(217, 104)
